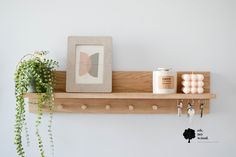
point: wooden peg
(131, 107)
(60, 106)
(84, 107)
(154, 107)
(108, 107)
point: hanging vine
(35, 73)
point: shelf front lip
(125, 96)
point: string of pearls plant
(34, 74)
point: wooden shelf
(132, 94)
(125, 96)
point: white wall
(183, 34)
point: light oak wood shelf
(132, 94)
(125, 96)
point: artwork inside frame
(89, 64)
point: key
(191, 112)
(201, 109)
(179, 107)
(189, 107)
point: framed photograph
(89, 64)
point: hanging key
(179, 108)
(189, 108)
(201, 109)
(191, 112)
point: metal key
(179, 107)
(191, 112)
(201, 109)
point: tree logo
(189, 134)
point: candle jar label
(166, 82)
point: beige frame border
(73, 41)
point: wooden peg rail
(132, 94)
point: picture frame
(89, 64)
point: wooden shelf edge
(125, 96)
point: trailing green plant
(35, 73)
